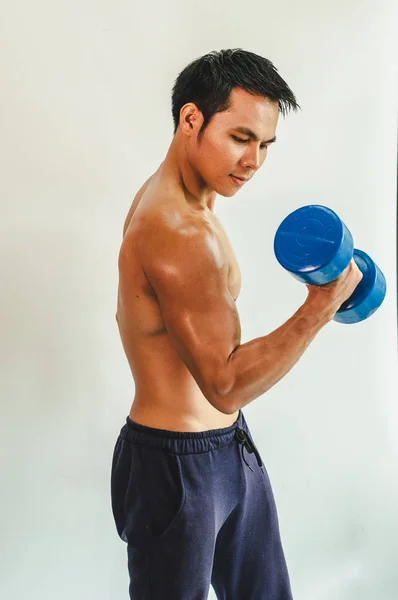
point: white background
(85, 118)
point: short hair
(208, 81)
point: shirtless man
(190, 510)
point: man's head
(212, 98)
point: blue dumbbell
(315, 246)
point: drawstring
(242, 438)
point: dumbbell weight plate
(367, 296)
(313, 244)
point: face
(226, 147)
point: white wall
(85, 118)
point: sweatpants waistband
(182, 442)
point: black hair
(208, 80)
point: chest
(234, 273)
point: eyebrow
(252, 135)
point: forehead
(249, 110)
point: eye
(242, 141)
(239, 139)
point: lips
(238, 180)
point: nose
(252, 158)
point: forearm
(254, 367)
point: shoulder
(135, 203)
(173, 243)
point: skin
(176, 263)
(179, 280)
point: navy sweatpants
(197, 509)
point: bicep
(189, 278)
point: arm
(258, 365)
(185, 268)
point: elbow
(224, 404)
(223, 396)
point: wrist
(319, 308)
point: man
(190, 494)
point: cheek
(222, 145)
(221, 155)
(232, 152)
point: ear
(191, 118)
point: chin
(225, 191)
(227, 194)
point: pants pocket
(163, 491)
(121, 471)
(155, 494)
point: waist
(182, 441)
(187, 415)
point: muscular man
(190, 494)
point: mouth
(238, 180)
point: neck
(177, 165)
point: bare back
(166, 394)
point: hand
(334, 293)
